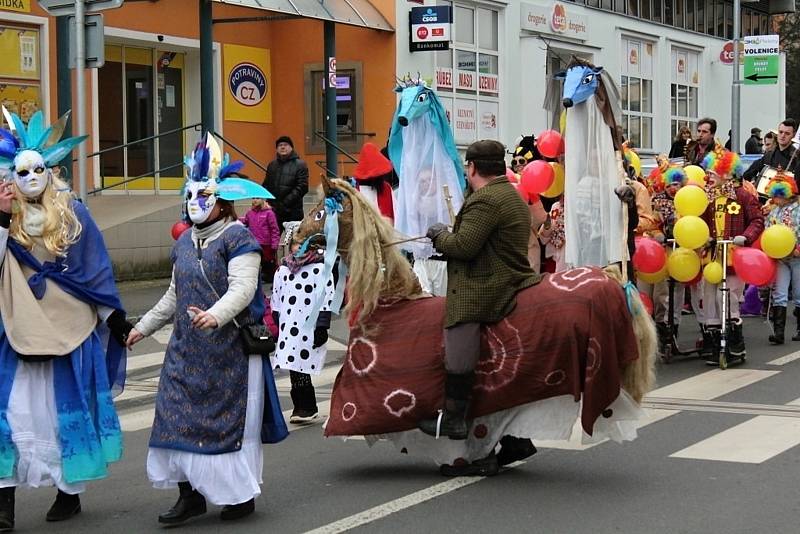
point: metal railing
(323, 164)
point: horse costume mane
(424, 155)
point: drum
(764, 177)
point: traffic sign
(93, 37)
(761, 60)
(62, 8)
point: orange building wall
(292, 43)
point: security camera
(160, 38)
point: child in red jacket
(732, 214)
(263, 224)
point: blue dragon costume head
(30, 152)
(209, 176)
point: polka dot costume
(293, 297)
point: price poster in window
(248, 84)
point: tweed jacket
(487, 255)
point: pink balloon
(550, 144)
(178, 228)
(753, 266)
(537, 176)
(647, 301)
(511, 176)
(524, 195)
(650, 256)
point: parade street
(717, 454)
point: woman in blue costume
(215, 405)
(62, 342)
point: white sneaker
(303, 417)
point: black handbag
(256, 338)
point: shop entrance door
(140, 95)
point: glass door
(169, 88)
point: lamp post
(736, 88)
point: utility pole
(330, 98)
(80, 91)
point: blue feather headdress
(207, 165)
(35, 137)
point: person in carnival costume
(371, 176)
(782, 190)
(524, 153)
(215, 404)
(732, 214)
(57, 426)
(668, 185)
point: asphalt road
(718, 455)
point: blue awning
(352, 12)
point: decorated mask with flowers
(29, 152)
(211, 176)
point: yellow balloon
(558, 181)
(691, 200)
(653, 278)
(634, 161)
(696, 175)
(778, 241)
(713, 273)
(691, 232)
(683, 265)
(562, 122)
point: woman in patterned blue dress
(215, 404)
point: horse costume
(595, 221)
(424, 154)
(589, 356)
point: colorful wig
(782, 187)
(723, 163)
(674, 176)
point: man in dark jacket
(780, 156)
(754, 145)
(287, 179)
(698, 148)
(487, 254)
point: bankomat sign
(429, 28)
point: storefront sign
(726, 55)
(248, 96)
(429, 28)
(465, 121)
(465, 80)
(761, 60)
(22, 6)
(488, 112)
(444, 78)
(488, 83)
(554, 18)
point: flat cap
(486, 150)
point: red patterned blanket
(569, 334)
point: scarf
(294, 264)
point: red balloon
(753, 266)
(178, 228)
(650, 256)
(647, 301)
(511, 176)
(550, 144)
(522, 193)
(537, 176)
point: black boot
(513, 449)
(736, 346)
(237, 511)
(484, 467)
(707, 350)
(664, 337)
(64, 507)
(796, 337)
(452, 421)
(304, 399)
(190, 504)
(7, 509)
(778, 324)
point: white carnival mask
(30, 173)
(200, 200)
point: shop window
(637, 92)
(728, 21)
(684, 89)
(645, 10)
(679, 13)
(468, 76)
(700, 17)
(719, 18)
(657, 8)
(608, 5)
(669, 11)
(20, 71)
(689, 15)
(619, 6)
(349, 107)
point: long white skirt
(33, 419)
(230, 478)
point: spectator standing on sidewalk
(287, 179)
(754, 145)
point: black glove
(320, 337)
(435, 230)
(119, 326)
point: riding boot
(190, 504)
(736, 346)
(451, 422)
(796, 337)
(707, 350)
(64, 507)
(514, 449)
(664, 336)
(778, 324)
(7, 509)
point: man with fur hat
(287, 179)
(487, 266)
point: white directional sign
(61, 8)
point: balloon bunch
(541, 177)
